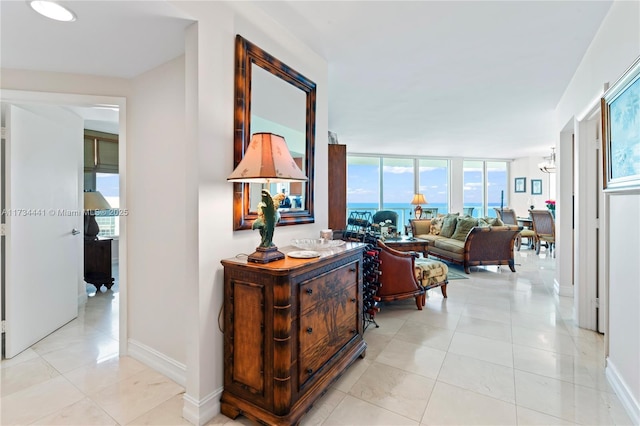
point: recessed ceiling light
(52, 10)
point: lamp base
(91, 228)
(418, 212)
(265, 255)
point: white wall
(158, 212)
(624, 295)
(161, 343)
(210, 105)
(181, 151)
(613, 50)
(527, 167)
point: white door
(43, 162)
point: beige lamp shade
(418, 199)
(267, 159)
(94, 200)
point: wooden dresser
(291, 327)
(97, 263)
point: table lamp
(267, 160)
(93, 201)
(417, 200)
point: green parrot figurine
(268, 216)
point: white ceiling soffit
(109, 38)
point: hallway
(501, 349)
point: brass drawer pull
(354, 300)
(309, 291)
(309, 371)
(309, 330)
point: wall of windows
(363, 183)
(473, 188)
(497, 186)
(433, 182)
(485, 186)
(398, 182)
(375, 183)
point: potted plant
(551, 205)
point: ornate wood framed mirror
(272, 97)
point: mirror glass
(280, 108)
(272, 97)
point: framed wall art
(620, 108)
(520, 184)
(536, 186)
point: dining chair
(508, 217)
(545, 229)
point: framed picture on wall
(520, 184)
(536, 186)
(620, 109)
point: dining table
(526, 222)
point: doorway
(70, 101)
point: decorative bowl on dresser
(291, 328)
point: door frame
(591, 224)
(68, 99)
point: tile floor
(502, 349)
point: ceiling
(442, 78)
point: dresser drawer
(325, 287)
(325, 323)
(321, 337)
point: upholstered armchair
(398, 276)
(384, 215)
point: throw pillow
(494, 221)
(463, 226)
(482, 222)
(436, 226)
(420, 226)
(449, 224)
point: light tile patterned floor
(502, 349)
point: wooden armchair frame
(398, 276)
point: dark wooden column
(337, 187)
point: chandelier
(549, 165)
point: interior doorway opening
(75, 103)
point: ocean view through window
(383, 182)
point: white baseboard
(200, 412)
(82, 298)
(630, 404)
(562, 290)
(158, 361)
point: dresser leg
(229, 410)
